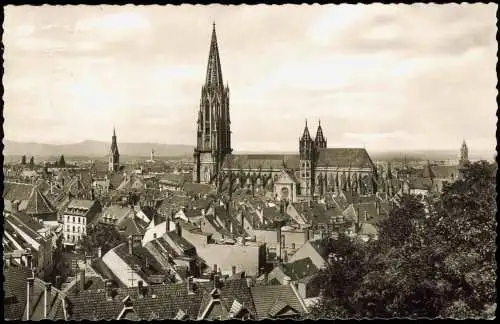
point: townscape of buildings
(230, 236)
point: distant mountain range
(98, 150)
(94, 149)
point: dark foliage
(435, 257)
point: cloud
(370, 69)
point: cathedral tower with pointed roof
(320, 140)
(114, 155)
(213, 126)
(306, 152)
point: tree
(104, 236)
(62, 162)
(32, 161)
(23, 160)
(434, 258)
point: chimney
(28, 297)
(82, 280)
(99, 252)
(29, 261)
(216, 281)
(130, 245)
(365, 216)
(178, 228)
(233, 270)
(286, 280)
(47, 292)
(8, 260)
(58, 282)
(215, 268)
(306, 234)
(249, 282)
(189, 282)
(285, 255)
(107, 288)
(167, 223)
(140, 289)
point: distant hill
(94, 149)
(99, 150)
(431, 155)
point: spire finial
(213, 24)
(306, 122)
(319, 121)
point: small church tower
(306, 148)
(464, 154)
(114, 155)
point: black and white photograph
(249, 162)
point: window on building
(73, 228)
(293, 246)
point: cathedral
(314, 171)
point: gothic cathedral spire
(114, 155)
(213, 127)
(214, 70)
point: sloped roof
(132, 225)
(181, 242)
(81, 203)
(16, 191)
(198, 188)
(268, 298)
(14, 286)
(264, 161)
(345, 158)
(445, 171)
(300, 269)
(159, 301)
(38, 204)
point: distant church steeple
(114, 155)
(464, 154)
(213, 126)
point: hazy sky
(380, 76)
